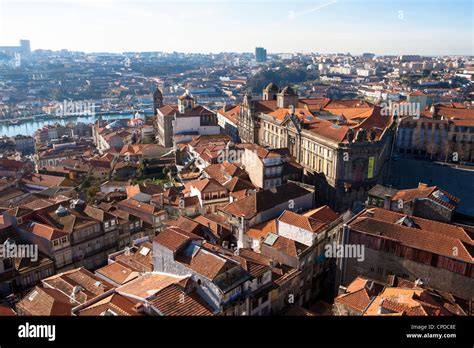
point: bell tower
(157, 100)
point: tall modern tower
(260, 54)
(25, 46)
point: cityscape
(237, 183)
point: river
(30, 127)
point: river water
(30, 127)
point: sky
(428, 27)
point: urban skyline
(249, 158)
(393, 28)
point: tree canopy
(281, 77)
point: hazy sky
(428, 27)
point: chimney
(422, 185)
(372, 134)
(342, 290)
(419, 283)
(386, 202)
(350, 135)
(391, 279)
(139, 308)
(369, 285)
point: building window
(254, 303)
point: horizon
(282, 26)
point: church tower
(286, 97)
(185, 102)
(270, 92)
(157, 100)
(248, 123)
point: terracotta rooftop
(203, 262)
(323, 214)
(118, 273)
(359, 293)
(285, 245)
(148, 285)
(115, 304)
(186, 224)
(43, 180)
(232, 113)
(206, 185)
(79, 284)
(412, 302)
(174, 301)
(301, 221)
(6, 311)
(436, 237)
(42, 230)
(264, 200)
(261, 230)
(434, 193)
(139, 259)
(45, 302)
(174, 238)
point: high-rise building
(368, 55)
(25, 46)
(260, 54)
(12, 51)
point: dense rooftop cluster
(219, 200)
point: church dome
(287, 90)
(271, 87)
(185, 96)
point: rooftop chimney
(386, 202)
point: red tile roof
(204, 262)
(231, 112)
(45, 302)
(436, 237)
(324, 214)
(434, 193)
(116, 303)
(358, 295)
(174, 301)
(174, 238)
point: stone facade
(343, 168)
(378, 265)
